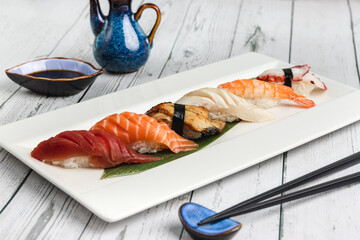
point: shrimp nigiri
(95, 148)
(297, 77)
(144, 133)
(260, 90)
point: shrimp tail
(302, 100)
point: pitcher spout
(97, 18)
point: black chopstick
(333, 167)
(323, 187)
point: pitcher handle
(158, 18)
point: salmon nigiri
(95, 148)
(144, 133)
(260, 90)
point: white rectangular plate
(243, 146)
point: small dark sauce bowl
(21, 74)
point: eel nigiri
(226, 106)
(265, 94)
(144, 133)
(297, 77)
(191, 122)
(94, 148)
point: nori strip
(178, 118)
(288, 76)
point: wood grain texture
(39, 206)
(15, 102)
(262, 29)
(331, 215)
(206, 35)
(354, 10)
(12, 174)
(16, 50)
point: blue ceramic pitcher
(121, 45)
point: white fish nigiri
(302, 81)
(225, 106)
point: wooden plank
(46, 33)
(258, 30)
(331, 215)
(264, 27)
(354, 7)
(38, 208)
(16, 50)
(12, 174)
(204, 40)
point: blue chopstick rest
(191, 214)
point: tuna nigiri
(265, 94)
(225, 106)
(94, 148)
(144, 133)
(297, 77)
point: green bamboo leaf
(166, 156)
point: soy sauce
(56, 74)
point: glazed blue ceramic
(72, 76)
(191, 214)
(120, 44)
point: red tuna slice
(102, 149)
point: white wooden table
(322, 33)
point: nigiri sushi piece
(265, 94)
(94, 148)
(297, 77)
(191, 122)
(144, 133)
(226, 106)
